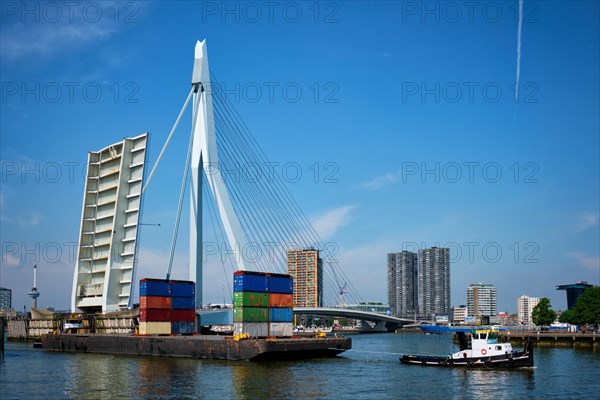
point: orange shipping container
(159, 302)
(281, 300)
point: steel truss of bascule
(263, 212)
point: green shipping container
(250, 299)
(250, 314)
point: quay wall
(552, 339)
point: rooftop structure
(574, 290)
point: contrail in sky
(519, 50)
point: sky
(403, 117)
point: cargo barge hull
(201, 347)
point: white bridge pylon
(205, 158)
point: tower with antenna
(34, 294)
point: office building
(5, 299)
(402, 284)
(525, 306)
(481, 300)
(459, 314)
(434, 282)
(307, 269)
(573, 292)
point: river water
(371, 370)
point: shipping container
(250, 299)
(279, 283)
(155, 328)
(250, 314)
(252, 329)
(183, 303)
(183, 315)
(160, 302)
(281, 300)
(182, 328)
(154, 287)
(250, 282)
(281, 329)
(154, 315)
(183, 289)
(281, 315)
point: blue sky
(412, 103)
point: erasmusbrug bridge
(259, 218)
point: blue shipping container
(250, 283)
(182, 328)
(281, 315)
(183, 303)
(279, 284)
(183, 289)
(154, 288)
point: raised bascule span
(105, 270)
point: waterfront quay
(551, 339)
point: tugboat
(485, 352)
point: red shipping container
(281, 300)
(159, 302)
(183, 315)
(154, 315)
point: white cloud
(380, 181)
(29, 220)
(585, 221)
(10, 260)
(328, 223)
(590, 262)
(35, 40)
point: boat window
(498, 347)
(493, 335)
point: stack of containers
(183, 307)
(155, 307)
(167, 307)
(281, 303)
(250, 303)
(262, 304)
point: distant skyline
(394, 127)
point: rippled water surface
(371, 370)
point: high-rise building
(481, 300)
(434, 282)
(402, 284)
(5, 299)
(307, 269)
(525, 306)
(573, 292)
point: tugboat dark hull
(517, 359)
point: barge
(199, 346)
